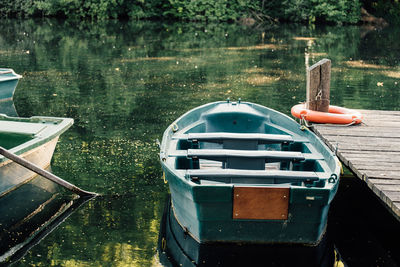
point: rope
(342, 125)
(319, 95)
(304, 122)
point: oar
(44, 173)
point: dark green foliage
(309, 11)
(15, 8)
(209, 10)
(81, 9)
(387, 9)
(305, 11)
(338, 11)
(94, 9)
(327, 11)
(142, 9)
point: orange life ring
(336, 115)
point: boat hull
(8, 82)
(177, 248)
(207, 214)
(13, 175)
(234, 203)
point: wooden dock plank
(381, 181)
(379, 156)
(394, 196)
(381, 174)
(380, 168)
(364, 133)
(371, 151)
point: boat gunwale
(51, 131)
(10, 78)
(311, 138)
(4, 77)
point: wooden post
(318, 85)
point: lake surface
(125, 82)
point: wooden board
(260, 203)
(318, 85)
(17, 127)
(371, 151)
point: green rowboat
(8, 83)
(33, 139)
(241, 172)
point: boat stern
(246, 214)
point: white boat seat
(228, 175)
(23, 128)
(224, 154)
(219, 137)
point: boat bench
(229, 175)
(224, 154)
(245, 159)
(23, 128)
(236, 140)
(222, 136)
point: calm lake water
(125, 82)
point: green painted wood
(202, 202)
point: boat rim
(8, 78)
(60, 125)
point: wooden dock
(370, 150)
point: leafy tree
(387, 9)
(16, 8)
(305, 11)
(331, 11)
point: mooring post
(318, 85)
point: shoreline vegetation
(246, 12)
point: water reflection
(125, 82)
(177, 248)
(7, 107)
(29, 213)
(364, 231)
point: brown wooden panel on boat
(260, 203)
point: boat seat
(223, 154)
(219, 137)
(23, 128)
(232, 175)
(245, 159)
